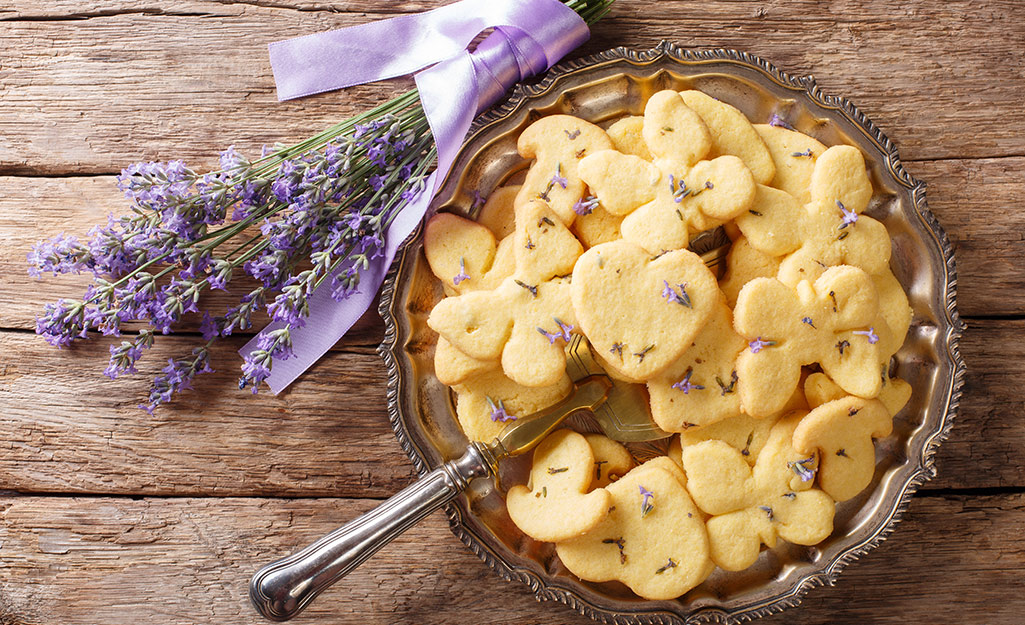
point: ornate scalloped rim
(926, 468)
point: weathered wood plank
(91, 95)
(65, 428)
(170, 561)
(970, 198)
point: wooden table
(114, 516)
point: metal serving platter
(601, 88)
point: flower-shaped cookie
(452, 366)
(557, 143)
(826, 323)
(641, 313)
(700, 387)
(653, 539)
(833, 231)
(894, 394)
(526, 325)
(663, 202)
(794, 155)
(841, 431)
(752, 506)
(558, 506)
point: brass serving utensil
(284, 588)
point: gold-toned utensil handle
(284, 588)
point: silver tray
(600, 88)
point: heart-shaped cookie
(641, 312)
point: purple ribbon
(529, 37)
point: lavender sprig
(292, 219)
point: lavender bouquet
(293, 219)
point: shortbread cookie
(833, 230)
(544, 247)
(825, 323)
(743, 264)
(497, 213)
(894, 394)
(558, 506)
(700, 387)
(653, 539)
(486, 403)
(641, 313)
(611, 460)
(525, 325)
(894, 310)
(557, 143)
(597, 225)
(627, 136)
(732, 133)
(452, 366)
(621, 182)
(463, 254)
(673, 132)
(744, 433)
(752, 506)
(793, 155)
(841, 431)
(771, 225)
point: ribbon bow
(529, 37)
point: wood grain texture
(66, 428)
(186, 561)
(91, 89)
(109, 515)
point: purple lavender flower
(671, 295)
(873, 338)
(62, 322)
(61, 254)
(758, 344)
(685, 384)
(462, 275)
(563, 332)
(124, 356)
(177, 376)
(804, 472)
(572, 135)
(779, 122)
(558, 178)
(585, 205)
(808, 321)
(345, 284)
(647, 501)
(498, 412)
(849, 217)
(800, 154)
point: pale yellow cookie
(463, 255)
(794, 155)
(833, 230)
(497, 213)
(752, 506)
(743, 264)
(894, 393)
(656, 544)
(732, 133)
(544, 247)
(525, 325)
(825, 323)
(557, 143)
(690, 200)
(841, 431)
(770, 224)
(621, 182)
(700, 387)
(558, 506)
(597, 226)
(894, 310)
(627, 136)
(611, 460)
(487, 402)
(452, 366)
(674, 132)
(641, 313)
